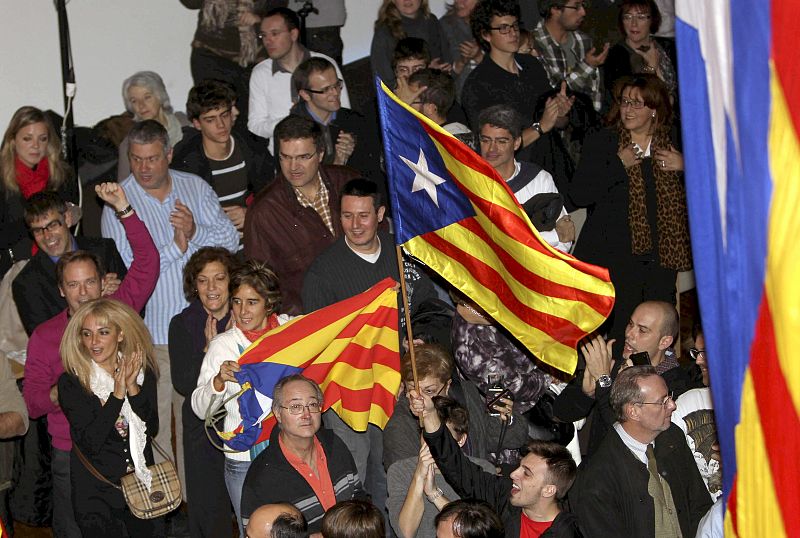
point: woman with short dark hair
(206, 277)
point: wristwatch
(538, 128)
(604, 381)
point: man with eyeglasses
(642, 481)
(652, 329)
(234, 163)
(566, 52)
(695, 416)
(346, 133)
(35, 288)
(271, 93)
(296, 217)
(305, 465)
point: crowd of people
(266, 200)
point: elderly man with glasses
(305, 465)
(642, 481)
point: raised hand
(133, 365)
(668, 159)
(226, 371)
(112, 194)
(345, 145)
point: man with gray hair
(182, 214)
(304, 464)
(642, 481)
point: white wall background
(112, 39)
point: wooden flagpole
(407, 311)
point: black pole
(68, 77)
(307, 9)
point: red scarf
(272, 322)
(30, 180)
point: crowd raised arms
(267, 200)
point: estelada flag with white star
(454, 213)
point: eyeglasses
(577, 7)
(628, 103)
(273, 33)
(335, 87)
(297, 408)
(406, 70)
(695, 353)
(506, 28)
(664, 403)
(641, 17)
(52, 226)
(303, 158)
(430, 393)
(500, 142)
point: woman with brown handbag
(108, 394)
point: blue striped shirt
(213, 229)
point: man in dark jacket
(652, 329)
(527, 501)
(295, 218)
(643, 480)
(304, 464)
(35, 288)
(237, 165)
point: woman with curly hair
(255, 302)
(206, 278)
(405, 18)
(108, 394)
(30, 162)
(630, 179)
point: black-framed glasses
(624, 102)
(297, 408)
(664, 403)
(335, 87)
(430, 393)
(695, 353)
(506, 28)
(577, 7)
(52, 226)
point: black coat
(610, 494)
(35, 288)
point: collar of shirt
(517, 168)
(317, 119)
(304, 201)
(637, 449)
(278, 68)
(55, 259)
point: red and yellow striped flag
(453, 212)
(351, 348)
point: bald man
(277, 521)
(652, 328)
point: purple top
(43, 365)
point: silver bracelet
(436, 494)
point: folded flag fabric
(350, 348)
(454, 212)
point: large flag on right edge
(739, 74)
(452, 211)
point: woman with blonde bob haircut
(108, 394)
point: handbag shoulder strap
(91, 468)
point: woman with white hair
(145, 96)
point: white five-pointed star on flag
(424, 179)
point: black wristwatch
(538, 128)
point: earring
(653, 114)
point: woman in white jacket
(255, 300)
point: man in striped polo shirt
(234, 162)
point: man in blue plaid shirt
(566, 52)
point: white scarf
(102, 384)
